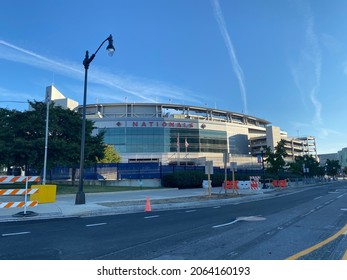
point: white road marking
(343, 209)
(310, 212)
(15, 233)
(95, 225)
(227, 224)
(216, 207)
(251, 218)
(246, 218)
(151, 217)
(328, 202)
(189, 211)
(340, 195)
(318, 197)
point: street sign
(233, 166)
(209, 167)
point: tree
(110, 155)
(23, 145)
(332, 167)
(17, 138)
(275, 159)
(309, 163)
(6, 137)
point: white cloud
(139, 88)
(229, 45)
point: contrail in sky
(317, 62)
(235, 64)
(307, 72)
(33, 59)
(139, 87)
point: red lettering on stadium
(160, 124)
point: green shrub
(183, 179)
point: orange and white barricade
(255, 182)
(25, 192)
(18, 179)
(18, 204)
(18, 191)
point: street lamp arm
(110, 41)
(87, 60)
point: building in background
(294, 146)
(53, 94)
(324, 157)
(342, 157)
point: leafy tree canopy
(275, 160)
(306, 165)
(110, 155)
(332, 167)
(22, 139)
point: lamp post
(80, 195)
(48, 100)
(263, 166)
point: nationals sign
(156, 124)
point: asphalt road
(313, 219)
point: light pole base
(80, 198)
(25, 214)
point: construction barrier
(230, 185)
(244, 184)
(205, 184)
(280, 183)
(18, 191)
(18, 204)
(18, 179)
(255, 182)
(25, 192)
(241, 185)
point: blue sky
(281, 60)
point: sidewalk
(131, 202)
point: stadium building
(185, 135)
(190, 135)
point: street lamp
(80, 195)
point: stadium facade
(185, 135)
(189, 135)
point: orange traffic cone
(148, 205)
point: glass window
(152, 139)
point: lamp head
(110, 48)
